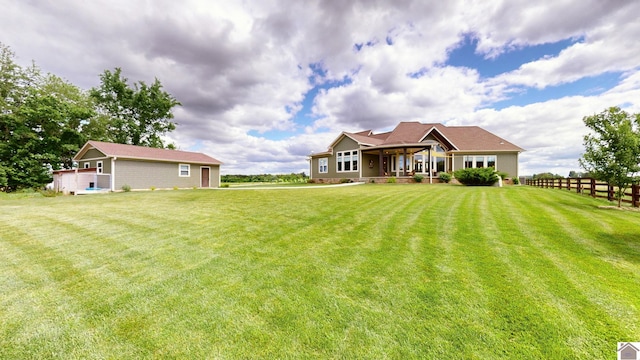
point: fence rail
(589, 186)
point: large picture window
(480, 161)
(347, 161)
(323, 165)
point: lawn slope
(371, 271)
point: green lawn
(370, 271)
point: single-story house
(104, 166)
(413, 148)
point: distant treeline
(301, 177)
(549, 176)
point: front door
(204, 177)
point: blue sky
(266, 83)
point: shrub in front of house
(391, 180)
(476, 176)
(418, 178)
(345, 181)
(444, 177)
(126, 188)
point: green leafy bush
(225, 185)
(418, 178)
(516, 181)
(391, 180)
(444, 177)
(477, 176)
(126, 188)
(345, 181)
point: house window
(347, 161)
(86, 165)
(99, 167)
(397, 163)
(480, 161)
(491, 161)
(468, 162)
(185, 170)
(323, 165)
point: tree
(612, 149)
(40, 122)
(136, 116)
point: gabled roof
(460, 138)
(475, 138)
(146, 153)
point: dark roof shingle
(464, 138)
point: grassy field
(370, 271)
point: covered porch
(404, 161)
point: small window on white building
(86, 165)
(99, 167)
(185, 170)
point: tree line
(261, 178)
(44, 119)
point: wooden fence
(589, 186)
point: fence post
(579, 185)
(609, 192)
(635, 195)
(593, 187)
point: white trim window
(99, 167)
(480, 161)
(347, 161)
(184, 170)
(323, 165)
(86, 165)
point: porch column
(380, 170)
(397, 164)
(430, 171)
(404, 159)
(424, 169)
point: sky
(263, 84)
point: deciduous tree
(137, 115)
(40, 122)
(612, 149)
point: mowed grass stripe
(374, 271)
(582, 248)
(548, 312)
(579, 284)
